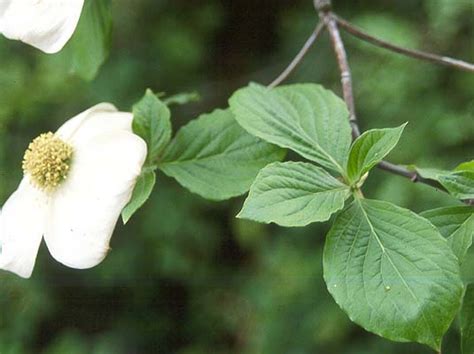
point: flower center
(47, 161)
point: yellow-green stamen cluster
(47, 161)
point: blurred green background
(184, 276)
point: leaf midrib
(303, 134)
(209, 157)
(390, 260)
(383, 249)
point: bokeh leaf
(141, 193)
(303, 117)
(392, 272)
(89, 47)
(370, 148)
(215, 158)
(294, 194)
(151, 121)
(456, 224)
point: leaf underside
(141, 193)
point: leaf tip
(402, 127)
(125, 217)
(149, 91)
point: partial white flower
(76, 183)
(44, 24)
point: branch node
(346, 75)
(323, 5)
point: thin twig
(332, 22)
(415, 177)
(412, 175)
(346, 77)
(299, 57)
(338, 45)
(433, 58)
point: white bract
(76, 183)
(44, 24)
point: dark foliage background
(185, 276)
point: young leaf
(370, 148)
(141, 193)
(304, 117)
(294, 194)
(89, 47)
(467, 321)
(456, 224)
(392, 272)
(215, 158)
(151, 121)
(459, 183)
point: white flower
(44, 24)
(76, 183)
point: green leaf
(89, 47)
(430, 173)
(304, 117)
(370, 148)
(141, 193)
(465, 166)
(456, 224)
(392, 272)
(151, 121)
(467, 321)
(215, 158)
(294, 194)
(459, 183)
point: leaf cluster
(395, 273)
